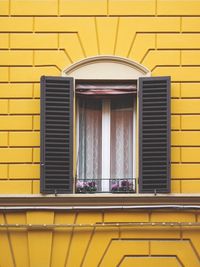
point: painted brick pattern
(45, 36)
(132, 246)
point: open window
(106, 136)
(89, 129)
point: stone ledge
(97, 200)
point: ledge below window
(99, 201)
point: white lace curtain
(90, 138)
(121, 139)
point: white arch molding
(106, 67)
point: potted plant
(120, 186)
(86, 187)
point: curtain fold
(108, 89)
(89, 150)
(121, 138)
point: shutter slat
(56, 134)
(154, 129)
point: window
(106, 136)
(58, 152)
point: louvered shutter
(56, 134)
(154, 135)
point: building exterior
(46, 38)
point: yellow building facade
(43, 38)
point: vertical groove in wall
(116, 35)
(32, 122)
(120, 232)
(180, 186)
(9, 76)
(8, 139)
(149, 216)
(58, 41)
(9, 41)
(97, 35)
(68, 56)
(181, 232)
(32, 185)
(132, 44)
(58, 44)
(108, 8)
(180, 115)
(8, 133)
(70, 241)
(33, 96)
(156, 41)
(33, 24)
(32, 155)
(145, 55)
(180, 58)
(52, 240)
(180, 154)
(8, 171)
(58, 38)
(9, 241)
(58, 1)
(156, 5)
(149, 243)
(9, 7)
(88, 245)
(180, 94)
(33, 58)
(196, 216)
(81, 44)
(120, 262)
(104, 252)
(194, 249)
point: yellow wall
(43, 37)
(145, 246)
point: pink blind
(105, 88)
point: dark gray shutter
(56, 134)
(154, 135)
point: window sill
(81, 201)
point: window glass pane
(90, 140)
(121, 145)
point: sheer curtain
(121, 138)
(90, 139)
(91, 114)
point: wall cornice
(99, 201)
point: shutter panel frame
(58, 180)
(155, 169)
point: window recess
(106, 135)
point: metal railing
(112, 185)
